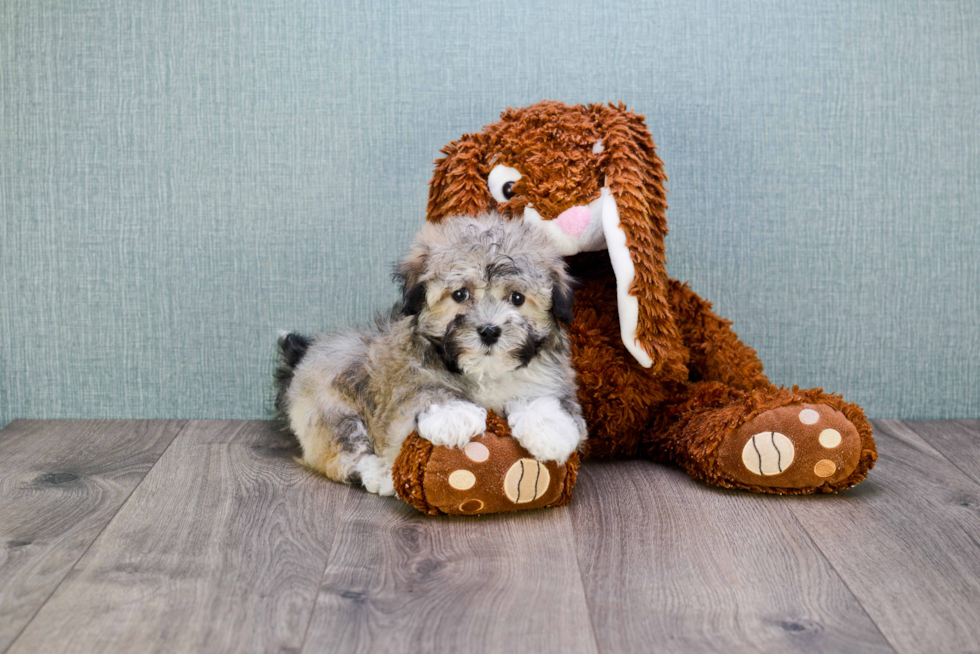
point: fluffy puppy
(478, 328)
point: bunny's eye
(501, 180)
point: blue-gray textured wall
(180, 180)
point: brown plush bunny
(660, 375)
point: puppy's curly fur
(478, 328)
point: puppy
(478, 328)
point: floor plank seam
(967, 473)
(13, 641)
(323, 573)
(581, 579)
(843, 581)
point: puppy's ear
(408, 274)
(413, 299)
(562, 298)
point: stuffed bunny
(660, 375)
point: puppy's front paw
(453, 423)
(375, 475)
(545, 430)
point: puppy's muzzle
(489, 334)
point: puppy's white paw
(453, 423)
(375, 475)
(545, 430)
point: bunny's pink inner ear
(459, 185)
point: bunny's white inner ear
(625, 271)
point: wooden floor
(163, 536)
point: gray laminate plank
(220, 549)
(907, 543)
(957, 440)
(61, 482)
(672, 565)
(400, 581)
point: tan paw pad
(476, 452)
(462, 479)
(768, 453)
(830, 438)
(809, 417)
(824, 468)
(526, 481)
(471, 506)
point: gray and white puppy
(478, 328)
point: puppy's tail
(292, 348)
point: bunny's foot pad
(799, 446)
(492, 474)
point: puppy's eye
(462, 295)
(516, 299)
(501, 180)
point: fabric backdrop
(180, 180)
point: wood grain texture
(220, 549)
(957, 440)
(228, 545)
(401, 581)
(670, 564)
(61, 482)
(907, 543)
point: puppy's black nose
(489, 334)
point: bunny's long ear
(635, 181)
(459, 185)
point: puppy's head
(486, 293)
